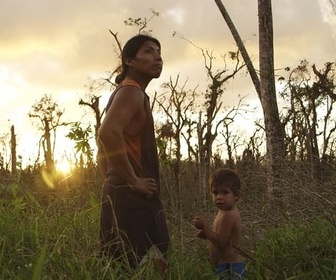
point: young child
(225, 234)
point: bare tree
(208, 125)
(94, 105)
(273, 128)
(13, 149)
(48, 116)
(141, 23)
(265, 88)
(309, 117)
(240, 45)
(4, 153)
(177, 104)
(208, 128)
(231, 139)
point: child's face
(224, 198)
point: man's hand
(146, 186)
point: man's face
(148, 61)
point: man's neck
(143, 83)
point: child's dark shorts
(232, 271)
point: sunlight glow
(63, 166)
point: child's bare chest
(217, 221)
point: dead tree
(265, 88)
(13, 150)
(48, 115)
(94, 105)
(177, 104)
(208, 126)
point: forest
(49, 219)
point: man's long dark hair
(130, 50)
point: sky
(59, 47)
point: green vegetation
(299, 250)
(50, 233)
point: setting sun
(63, 166)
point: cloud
(328, 11)
(177, 15)
(54, 47)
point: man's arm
(101, 157)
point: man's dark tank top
(142, 154)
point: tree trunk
(48, 150)
(273, 128)
(94, 105)
(265, 88)
(201, 168)
(240, 45)
(13, 150)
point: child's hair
(227, 178)
(130, 50)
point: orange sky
(56, 47)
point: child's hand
(199, 223)
(201, 234)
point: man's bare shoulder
(130, 91)
(128, 97)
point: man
(132, 216)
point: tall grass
(58, 239)
(54, 234)
(300, 249)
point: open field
(54, 234)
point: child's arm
(223, 228)
(201, 234)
